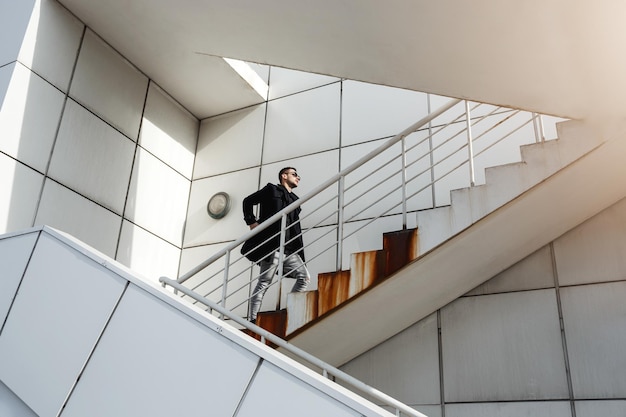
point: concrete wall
(501, 349)
(90, 145)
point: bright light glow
(249, 75)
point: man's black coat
(271, 199)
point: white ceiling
(561, 57)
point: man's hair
(284, 171)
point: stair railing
(345, 201)
(327, 370)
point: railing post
(431, 158)
(403, 159)
(541, 132)
(281, 257)
(470, 147)
(340, 219)
(224, 286)
(538, 126)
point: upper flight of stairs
(334, 288)
(484, 230)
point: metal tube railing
(342, 189)
(470, 142)
(317, 190)
(326, 368)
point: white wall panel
(54, 309)
(156, 193)
(600, 408)
(208, 281)
(405, 367)
(6, 74)
(594, 251)
(15, 252)
(14, 18)
(593, 316)
(503, 347)
(11, 405)
(521, 409)
(314, 170)
(486, 133)
(146, 254)
(21, 187)
(92, 158)
(320, 253)
(285, 81)
(168, 131)
(531, 273)
(427, 410)
(373, 111)
(294, 398)
(261, 70)
(230, 142)
(109, 85)
(303, 123)
(29, 117)
(200, 227)
(362, 237)
(69, 212)
(51, 43)
(148, 343)
(386, 177)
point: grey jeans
(291, 263)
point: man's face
(292, 178)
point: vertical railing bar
(403, 161)
(281, 257)
(535, 127)
(431, 153)
(541, 131)
(225, 284)
(470, 148)
(340, 220)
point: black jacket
(271, 199)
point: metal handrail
(326, 368)
(340, 211)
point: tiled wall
(90, 145)
(502, 350)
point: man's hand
(253, 225)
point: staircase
(304, 317)
(367, 269)
(484, 230)
(488, 228)
(469, 205)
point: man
(271, 199)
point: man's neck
(287, 187)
